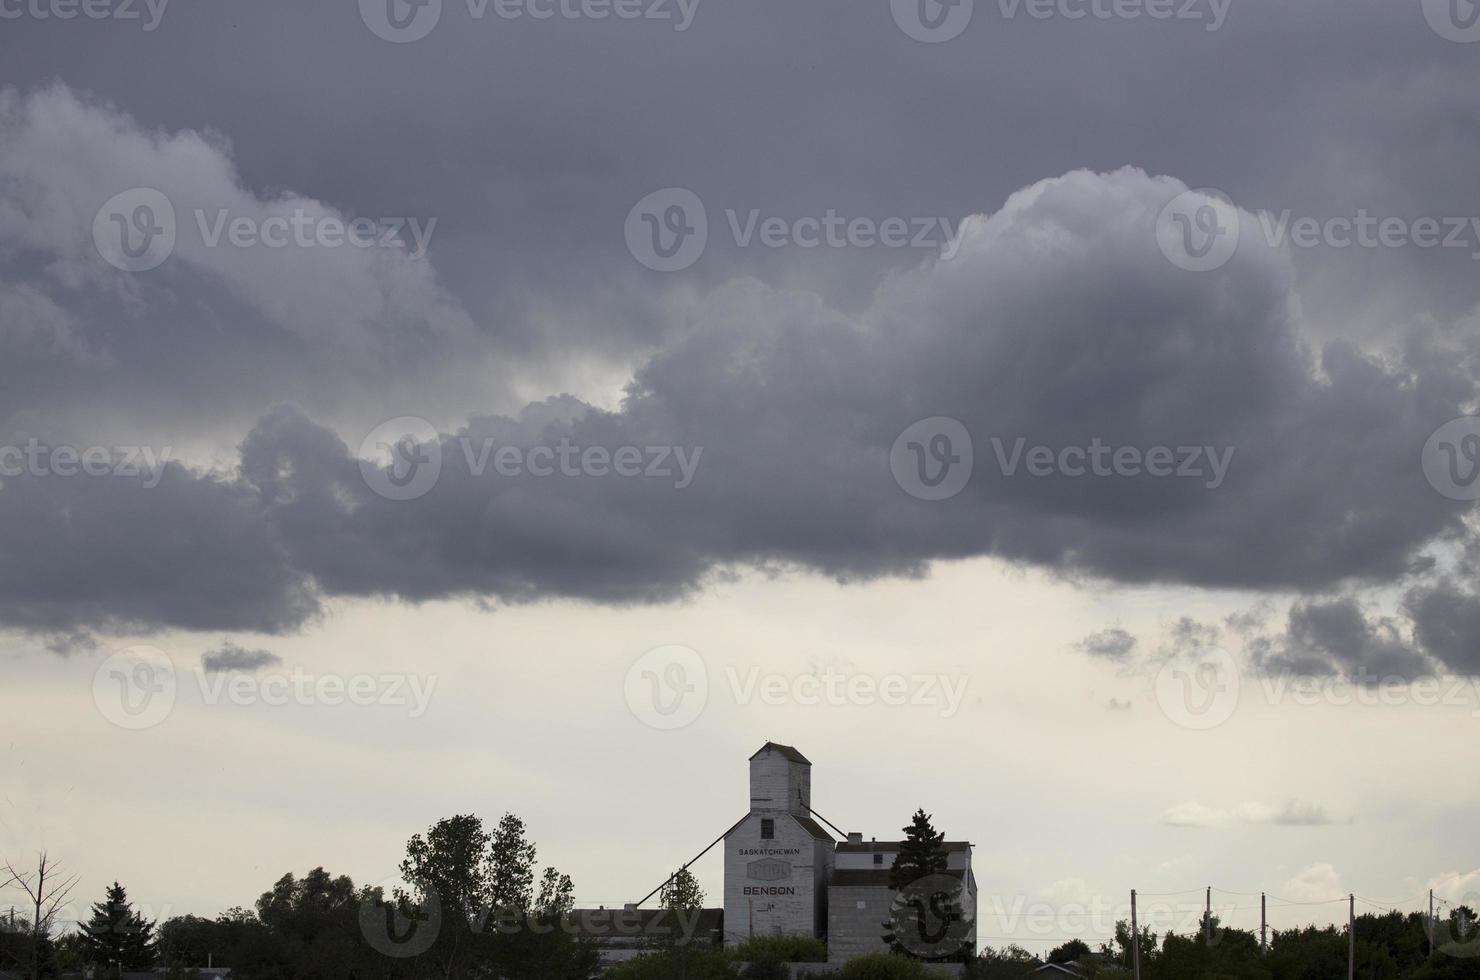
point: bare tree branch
(46, 889)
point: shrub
(766, 968)
(687, 963)
(786, 949)
(885, 966)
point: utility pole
(1135, 939)
(1351, 940)
(1431, 922)
(1208, 920)
(1263, 926)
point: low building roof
(814, 828)
(634, 924)
(894, 845)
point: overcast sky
(1057, 415)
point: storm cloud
(1446, 624)
(1432, 629)
(1056, 321)
(228, 323)
(1353, 642)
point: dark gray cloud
(1057, 321)
(1110, 644)
(765, 105)
(1187, 635)
(71, 642)
(1323, 637)
(232, 657)
(1446, 624)
(1355, 643)
(218, 331)
(109, 553)
(1434, 630)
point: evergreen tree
(921, 855)
(117, 938)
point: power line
(1168, 894)
(1286, 902)
(685, 867)
(1392, 901)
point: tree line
(478, 905)
(1389, 946)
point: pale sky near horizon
(1063, 424)
(1070, 799)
